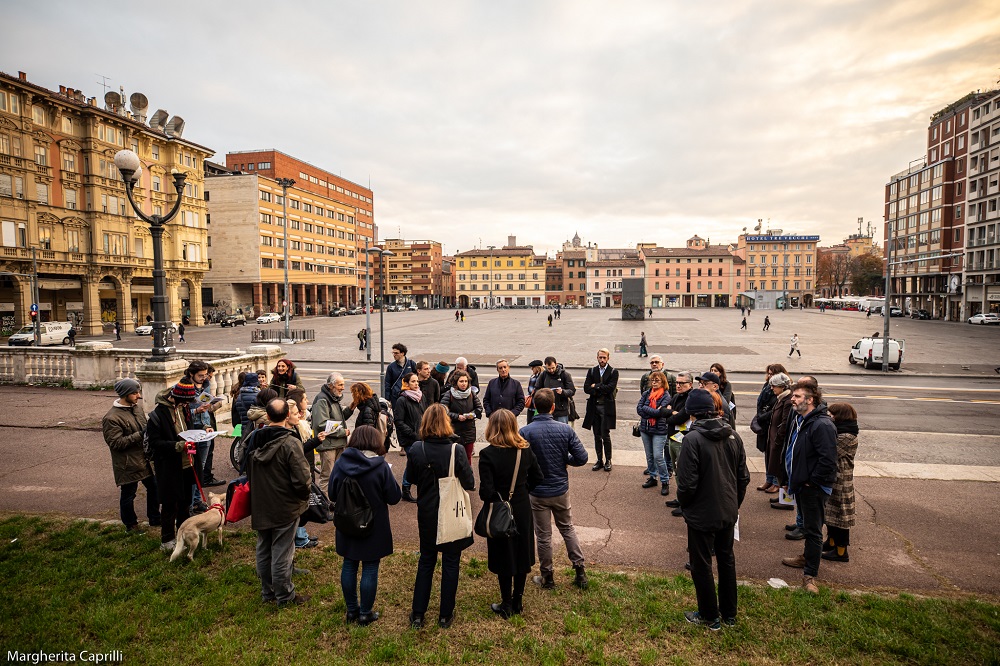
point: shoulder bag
(496, 519)
(454, 510)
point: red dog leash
(192, 450)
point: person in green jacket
(327, 406)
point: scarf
(461, 395)
(850, 427)
(654, 396)
(415, 396)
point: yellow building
(63, 204)
(505, 276)
(781, 268)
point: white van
(868, 352)
(50, 333)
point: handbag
(635, 430)
(755, 425)
(454, 512)
(496, 519)
(238, 500)
(318, 510)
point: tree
(833, 270)
(867, 274)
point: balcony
(12, 161)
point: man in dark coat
(430, 389)
(279, 478)
(124, 426)
(601, 386)
(556, 378)
(504, 392)
(394, 372)
(555, 445)
(171, 463)
(811, 466)
(712, 479)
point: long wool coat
(516, 555)
(841, 506)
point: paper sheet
(331, 426)
(198, 435)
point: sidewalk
(914, 532)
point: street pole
(886, 311)
(490, 304)
(130, 168)
(367, 303)
(381, 322)
(34, 297)
(285, 183)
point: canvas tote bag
(454, 507)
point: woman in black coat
(427, 462)
(464, 407)
(365, 403)
(406, 415)
(364, 461)
(510, 559)
(284, 377)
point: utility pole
(34, 297)
(285, 183)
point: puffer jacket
(712, 475)
(279, 478)
(406, 416)
(647, 413)
(555, 446)
(123, 427)
(244, 401)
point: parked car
(269, 318)
(894, 312)
(50, 333)
(413, 307)
(920, 314)
(356, 311)
(984, 318)
(147, 329)
(868, 352)
(233, 320)
(338, 312)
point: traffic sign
(284, 304)
(34, 307)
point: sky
(628, 121)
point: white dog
(195, 530)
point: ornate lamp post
(129, 166)
(285, 184)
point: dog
(195, 530)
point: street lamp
(285, 183)
(368, 299)
(384, 254)
(491, 247)
(130, 168)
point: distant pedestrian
(650, 313)
(743, 326)
(180, 332)
(767, 322)
(462, 315)
(149, 319)
(869, 314)
(71, 334)
(550, 321)
(456, 316)
(743, 311)
(642, 345)
(794, 341)
(118, 331)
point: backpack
(384, 424)
(352, 513)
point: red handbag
(239, 500)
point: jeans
(771, 478)
(349, 584)
(653, 445)
(301, 537)
(602, 434)
(206, 468)
(275, 549)
(700, 546)
(126, 505)
(199, 461)
(543, 511)
(425, 578)
(812, 502)
(562, 419)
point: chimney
(62, 90)
(22, 76)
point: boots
(407, 496)
(581, 577)
(517, 604)
(545, 581)
(503, 609)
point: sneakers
(198, 507)
(695, 618)
(809, 584)
(581, 577)
(168, 546)
(443, 622)
(729, 621)
(797, 562)
(417, 620)
(502, 609)
(649, 482)
(545, 581)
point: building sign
(782, 239)
(993, 297)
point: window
(41, 156)
(265, 218)
(156, 152)
(263, 165)
(73, 241)
(6, 185)
(38, 114)
(293, 204)
(156, 183)
(267, 241)
(42, 193)
(70, 199)
(265, 196)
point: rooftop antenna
(104, 81)
(861, 221)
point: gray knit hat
(126, 387)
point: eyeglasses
(683, 383)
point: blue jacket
(555, 445)
(244, 401)
(377, 483)
(394, 379)
(646, 413)
(503, 395)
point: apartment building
(64, 209)
(780, 269)
(604, 280)
(509, 276)
(415, 274)
(698, 275)
(247, 247)
(982, 267)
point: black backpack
(352, 513)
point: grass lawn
(73, 585)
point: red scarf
(654, 397)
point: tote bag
(238, 500)
(454, 507)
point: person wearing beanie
(171, 464)
(536, 367)
(123, 428)
(440, 373)
(712, 479)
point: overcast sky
(628, 121)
